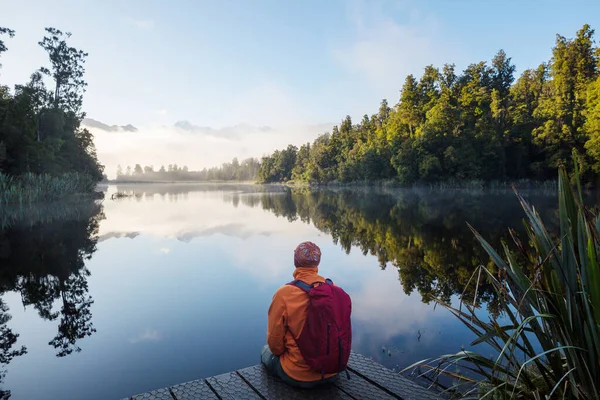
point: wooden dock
(368, 380)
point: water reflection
(184, 274)
(422, 233)
(43, 251)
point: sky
(296, 67)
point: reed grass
(32, 214)
(546, 341)
(29, 188)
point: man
(309, 332)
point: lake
(123, 296)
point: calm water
(116, 298)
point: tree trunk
(57, 92)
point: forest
(247, 170)
(483, 124)
(40, 132)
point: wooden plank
(193, 390)
(158, 394)
(273, 389)
(231, 386)
(369, 380)
(359, 388)
(391, 381)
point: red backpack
(326, 339)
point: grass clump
(546, 339)
(29, 188)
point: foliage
(66, 70)
(247, 170)
(278, 167)
(29, 187)
(10, 33)
(40, 130)
(547, 345)
(479, 125)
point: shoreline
(477, 185)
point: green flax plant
(546, 340)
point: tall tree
(66, 70)
(572, 68)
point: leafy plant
(546, 341)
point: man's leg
(273, 365)
(269, 360)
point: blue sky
(219, 63)
(278, 63)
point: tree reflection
(422, 233)
(42, 257)
(7, 340)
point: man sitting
(309, 332)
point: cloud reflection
(149, 335)
(234, 229)
(197, 213)
(384, 311)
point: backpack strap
(302, 285)
(305, 286)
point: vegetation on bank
(480, 124)
(42, 144)
(29, 188)
(546, 341)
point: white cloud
(164, 250)
(147, 336)
(162, 112)
(384, 50)
(142, 24)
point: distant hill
(230, 132)
(92, 123)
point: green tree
(300, 168)
(39, 129)
(573, 67)
(66, 70)
(592, 124)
